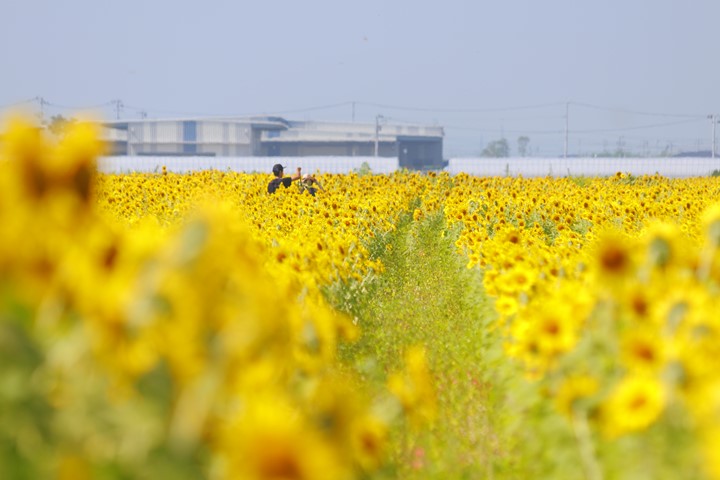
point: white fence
(246, 164)
(527, 166)
(561, 167)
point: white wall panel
(168, 132)
(222, 132)
(113, 134)
(239, 133)
(210, 132)
(136, 133)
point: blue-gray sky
(474, 67)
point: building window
(190, 131)
(190, 137)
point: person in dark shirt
(280, 179)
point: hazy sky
(637, 73)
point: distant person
(311, 184)
(280, 179)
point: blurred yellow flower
(711, 224)
(635, 403)
(415, 388)
(614, 256)
(711, 447)
(370, 439)
(573, 389)
(73, 467)
(642, 350)
(269, 440)
(506, 305)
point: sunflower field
(412, 325)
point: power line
(589, 131)
(310, 109)
(634, 112)
(638, 127)
(459, 110)
(276, 112)
(76, 107)
(20, 102)
(481, 130)
(642, 137)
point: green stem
(585, 444)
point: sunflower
(635, 403)
(269, 439)
(415, 388)
(642, 350)
(573, 390)
(614, 257)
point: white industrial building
(414, 146)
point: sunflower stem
(585, 444)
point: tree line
(501, 148)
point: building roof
(279, 123)
(259, 122)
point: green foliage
(24, 413)
(427, 296)
(580, 180)
(581, 226)
(523, 143)
(59, 124)
(35, 433)
(496, 149)
(364, 169)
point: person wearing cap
(280, 179)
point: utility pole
(714, 121)
(567, 126)
(42, 103)
(377, 133)
(118, 106)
